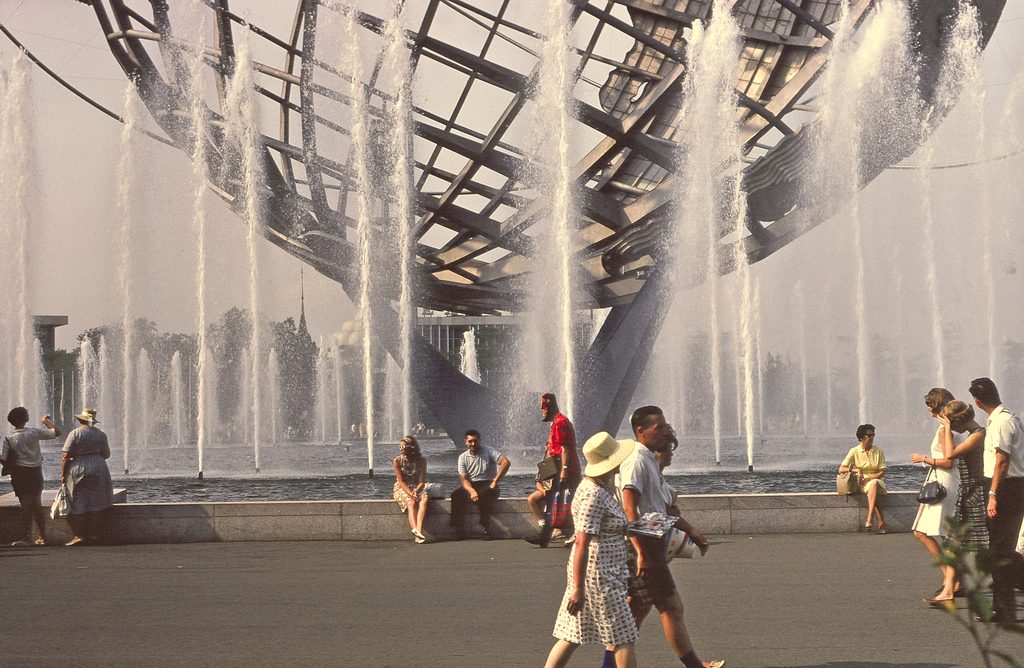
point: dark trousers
(485, 506)
(28, 486)
(1003, 531)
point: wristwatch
(991, 492)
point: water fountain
(322, 392)
(565, 208)
(273, 411)
(468, 364)
(708, 160)
(178, 399)
(15, 152)
(242, 127)
(397, 66)
(204, 366)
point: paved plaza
(775, 600)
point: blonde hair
(958, 413)
(410, 441)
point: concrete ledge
(57, 531)
(381, 519)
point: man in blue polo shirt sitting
(480, 469)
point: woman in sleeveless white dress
(930, 526)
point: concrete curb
(720, 514)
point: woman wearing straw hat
(83, 468)
(594, 608)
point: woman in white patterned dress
(410, 490)
(594, 608)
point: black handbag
(931, 492)
(548, 468)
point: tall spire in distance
(302, 301)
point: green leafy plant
(974, 574)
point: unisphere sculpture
(473, 211)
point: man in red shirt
(562, 446)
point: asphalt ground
(773, 600)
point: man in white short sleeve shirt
(641, 487)
(1004, 479)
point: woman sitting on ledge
(868, 462)
(410, 485)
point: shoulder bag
(846, 483)
(931, 492)
(547, 468)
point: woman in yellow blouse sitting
(868, 462)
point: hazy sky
(74, 224)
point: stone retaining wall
(381, 520)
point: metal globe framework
(475, 63)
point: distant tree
(297, 355)
(160, 348)
(229, 338)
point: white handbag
(61, 503)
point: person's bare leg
(639, 610)
(410, 511)
(421, 512)
(948, 583)
(671, 613)
(625, 657)
(881, 518)
(40, 515)
(536, 503)
(872, 495)
(930, 544)
(559, 654)
(935, 551)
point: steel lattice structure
(473, 211)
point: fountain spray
(126, 185)
(244, 135)
(398, 67)
(707, 157)
(361, 157)
(198, 117)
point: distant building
(44, 328)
